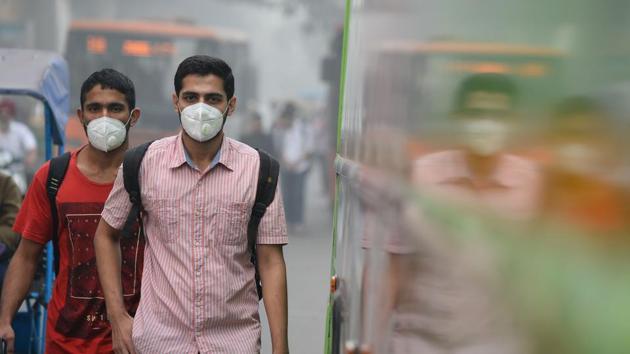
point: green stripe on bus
(342, 89)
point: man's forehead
(203, 84)
(99, 94)
(488, 100)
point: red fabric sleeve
(34, 221)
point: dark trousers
(293, 193)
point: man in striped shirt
(197, 189)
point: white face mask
(202, 122)
(107, 134)
(485, 137)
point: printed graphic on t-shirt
(84, 313)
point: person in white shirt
(297, 149)
(18, 145)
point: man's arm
(273, 275)
(17, 282)
(108, 259)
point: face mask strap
(128, 122)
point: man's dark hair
(577, 105)
(289, 110)
(487, 82)
(203, 65)
(579, 115)
(110, 79)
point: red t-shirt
(77, 318)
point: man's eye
(116, 109)
(189, 98)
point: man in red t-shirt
(77, 318)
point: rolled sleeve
(117, 206)
(34, 220)
(273, 226)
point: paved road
(308, 267)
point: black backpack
(265, 193)
(56, 174)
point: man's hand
(17, 282)
(8, 335)
(121, 335)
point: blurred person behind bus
(10, 200)
(77, 319)
(323, 151)
(255, 135)
(440, 297)
(296, 154)
(18, 145)
(580, 186)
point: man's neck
(481, 167)
(99, 166)
(202, 154)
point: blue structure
(44, 76)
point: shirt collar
(501, 175)
(180, 156)
(177, 157)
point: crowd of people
(299, 139)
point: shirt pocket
(166, 213)
(231, 224)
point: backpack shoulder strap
(56, 173)
(131, 178)
(265, 192)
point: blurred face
(254, 126)
(485, 122)
(584, 145)
(206, 89)
(110, 103)
(5, 115)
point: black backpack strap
(265, 193)
(131, 177)
(56, 173)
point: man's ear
(232, 106)
(135, 116)
(175, 100)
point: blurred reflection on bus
(581, 187)
(489, 181)
(478, 171)
(446, 301)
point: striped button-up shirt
(198, 290)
